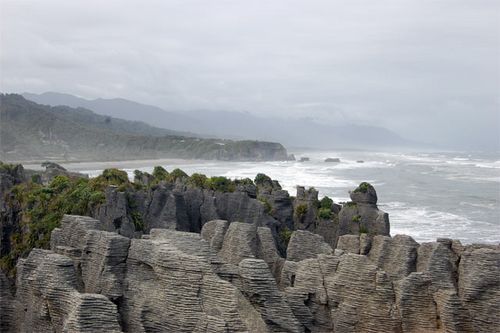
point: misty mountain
(31, 131)
(236, 125)
(119, 108)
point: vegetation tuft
(285, 236)
(263, 180)
(325, 213)
(350, 204)
(363, 187)
(41, 208)
(267, 205)
(325, 208)
(300, 210)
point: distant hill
(31, 131)
(121, 108)
(238, 125)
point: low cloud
(426, 69)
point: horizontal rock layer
(231, 278)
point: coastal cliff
(172, 252)
(31, 131)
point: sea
(427, 195)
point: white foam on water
(489, 165)
(425, 224)
(414, 217)
(490, 205)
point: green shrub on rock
(285, 235)
(244, 181)
(326, 202)
(160, 174)
(137, 221)
(301, 210)
(197, 180)
(325, 208)
(114, 177)
(221, 184)
(325, 213)
(41, 209)
(177, 174)
(363, 187)
(262, 179)
(267, 205)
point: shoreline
(121, 164)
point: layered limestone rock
(479, 286)
(99, 256)
(178, 207)
(232, 278)
(48, 299)
(362, 215)
(395, 255)
(6, 305)
(304, 245)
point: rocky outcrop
(170, 256)
(479, 286)
(304, 245)
(231, 278)
(10, 176)
(362, 215)
(48, 299)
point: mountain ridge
(40, 132)
(238, 125)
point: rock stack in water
(232, 278)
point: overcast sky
(428, 69)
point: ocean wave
(490, 205)
(489, 165)
(425, 224)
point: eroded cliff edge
(231, 278)
(246, 270)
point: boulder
(364, 194)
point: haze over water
(427, 195)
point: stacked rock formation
(232, 278)
(362, 215)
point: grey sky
(428, 69)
